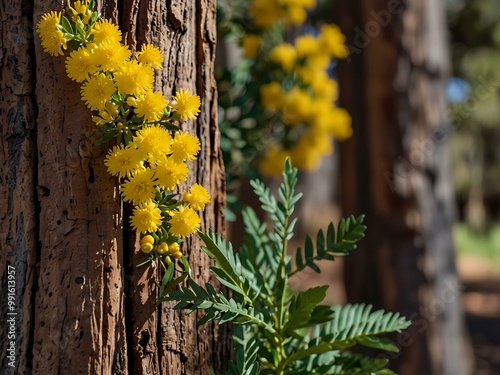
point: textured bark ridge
(396, 170)
(82, 305)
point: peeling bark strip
(82, 305)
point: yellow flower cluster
(267, 12)
(289, 98)
(150, 160)
(299, 93)
(308, 105)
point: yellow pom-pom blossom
(296, 14)
(306, 159)
(151, 105)
(332, 39)
(324, 88)
(139, 188)
(186, 105)
(52, 37)
(110, 55)
(105, 30)
(154, 140)
(271, 164)
(285, 55)
(185, 146)
(80, 65)
(134, 78)
(150, 55)
(169, 173)
(271, 95)
(146, 218)
(54, 43)
(123, 161)
(251, 45)
(265, 12)
(197, 197)
(97, 91)
(297, 106)
(48, 23)
(307, 45)
(319, 141)
(340, 125)
(184, 221)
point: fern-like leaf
(216, 305)
(359, 324)
(247, 348)
(349, 231)
(228, 268)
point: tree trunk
(80, 304)
(396, 169)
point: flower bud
(147, 248)
(147, 239)
(174, 248)
(162, 248)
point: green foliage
(277, 331)
(349, 231)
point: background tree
(396, 170)
(475, 37)
(81, 303)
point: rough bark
(82, 305)
(396, 169)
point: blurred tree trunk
(80, 304)
(396, 169)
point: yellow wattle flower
(186, 104)
(106, 30)
(79, 64)
(146, 218)
(155, 141)
(271, 163)
(285, 55)
(297, 106)
(54, 43)
(134, 78)
(296, 14)
(150, 55)
(185, 146)
(251, 45)
(184, 221)
(51, 36)
(266, 13)
(151, 105)
(333, 41)
(140, 187)
(307, 45)
(170, 173)
(97, 91)
(48, 23)
(197, 197)
(123, 161)
(271, 95)
(109, 55)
